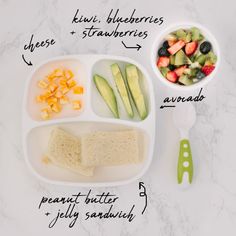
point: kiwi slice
(181, 34)
(201, 59)
(196, 34)
(172, 59)
(181, 58)
(184, 79)
(164, 71)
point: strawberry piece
(179, 71)
(208, 69)
(190, 48)
(163, 61)
(176, 47)
(172, 76)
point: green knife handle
(185, 162)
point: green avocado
(132, 76)
(122, 89)
(107, 94)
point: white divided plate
(94, 116)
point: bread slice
(64, 150)
(110, 148)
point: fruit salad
(186, 57)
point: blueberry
(165, 44)
(162, 52)
(171, 67)
(205, 47)
(200, 75)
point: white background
(208, 207)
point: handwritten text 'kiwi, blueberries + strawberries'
(73, 207)
(117, 19)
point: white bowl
(161, 38)
(36, 132)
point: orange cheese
(76, 104)
(55, 86)
(78, 90)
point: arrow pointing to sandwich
(164, 106)
(133, 47)
(28, 63)
(143, 194)
(141, 184)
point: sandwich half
(110, 148)
(64, 150)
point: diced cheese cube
(56, 107)
(64, 100)
(48, 94)
(68, 74)
(42, 84)
(65, 90)
(71, 83)
(58, 94)
(40, 98)
(62, 82)
(76, 104)
(45, 114)
(49, 108)
(52, 78)
(52, 87)
(51, 100)
(58, 72)
(78, 90)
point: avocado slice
(107, 94)
(136, 92)
(181, 58)
(122, 89)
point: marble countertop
(208, 207)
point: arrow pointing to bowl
(28, 63)
(132, 47)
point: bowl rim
(159, 38)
